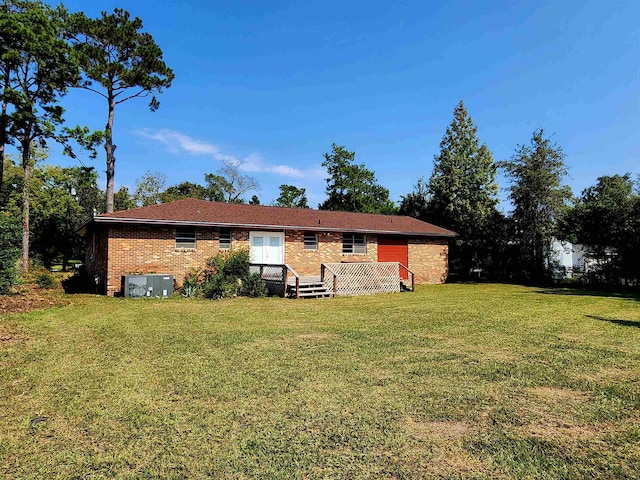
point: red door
(394, 249)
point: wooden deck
(363, 278)
(291, 281)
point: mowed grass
(453, 381)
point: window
(225, 239)
(353, 243)
(186, 238)
(310, 241)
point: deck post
(335, 285)
(297, 287)
(285, 274)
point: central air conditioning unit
(151, 286)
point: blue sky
(272, 84)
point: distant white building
(569, 259)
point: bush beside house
(9, 251)
(225, 275)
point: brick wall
(150, 249)
(307, 262)
(429, 260)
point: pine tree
(463, 192)
(352, 187)
(119, 63)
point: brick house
(173, 237)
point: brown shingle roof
(202, 212)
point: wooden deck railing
(413, 283)
(331, 285)
(276, 276)
(361, 278)
(289, 269)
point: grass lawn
(462, 381)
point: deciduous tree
(605, 219)
(184, 190)
(149, 189)
(123, 200)
(229, 185)
(536, 173)
(38, 68)
(416, 204)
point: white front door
(267, 247)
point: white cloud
(178, 142)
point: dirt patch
(611, 374)
(449, 457)
(446, 430)
(318, 337)
(587, 433)
(557, 394)
(10, 333)
(28, 298)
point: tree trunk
(3, 142)
(3, 132)
(110, 149)
(26, 167)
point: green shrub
(45, 280)
(227, 275)
(9, 251)
(237, 263)
(192, 283)
(254, 286)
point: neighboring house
(171, 238)
(570, 259)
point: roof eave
(147, 221)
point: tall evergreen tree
(539, 197)
(292, 197)
(463, 192)
(119, 63)
(352, 187)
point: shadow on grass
(589, 293)
(624, 323)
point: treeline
(462, 195)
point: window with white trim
(225, 239)
(310, 241)
(354, 243)
(186, 238)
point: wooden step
(404, 287)
(310, 290)
(324, 294)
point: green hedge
(10, 231)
